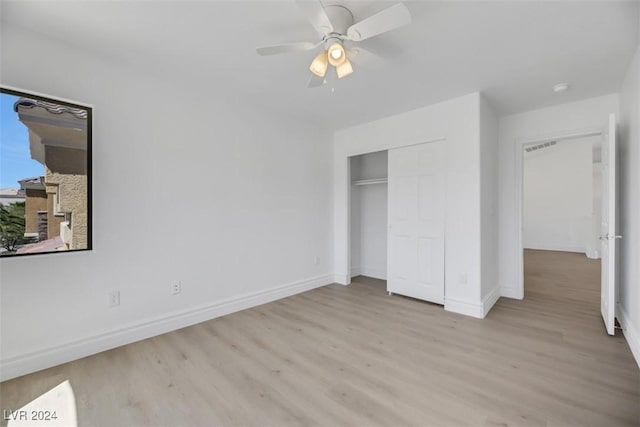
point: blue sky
(15, 160)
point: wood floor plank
(355, 356)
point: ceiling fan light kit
(334, 55)
(320, 64)
(344, 69)
(337, 55)
(336, 25)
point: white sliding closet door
(415, 259)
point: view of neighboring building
(56, 203)
(11, 195)
(41, 220)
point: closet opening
(368, 217)
(397, 212)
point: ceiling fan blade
(315, 81)
(316, 15)
(285, 48)
(386, 20)
(362, 56)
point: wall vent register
(540, 146)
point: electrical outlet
(176, 287)
(114, 299)
(317, 260)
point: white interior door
(415, 258)
(608, 229)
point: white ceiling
(511, 51)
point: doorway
(561, 217)
(562, 195)
(607, 194)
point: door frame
(521, 144)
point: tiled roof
(37, 181)
(50, 107)
(10, 192)
(33, 180)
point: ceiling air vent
(540, 146)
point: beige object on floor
(57, 407)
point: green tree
(12, 223)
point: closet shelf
(370, 181)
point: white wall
(489, 203)
(187, 185)
(457, 121)
(515, 129)
(629, 207)
(369, 216)
(558, 196)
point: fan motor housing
(341, 19)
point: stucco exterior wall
(67, 169)
(36, 201)
(52, 219)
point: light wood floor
(355, 356)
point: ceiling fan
(336, 25)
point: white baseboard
(356, 271)
(489, 301)
(45, 358)
(376, 273)
(630, 333)
(511, 292)
(553, 247)
(477, 309)
(593, 254)
(342, 279)
(468, 308)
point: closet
(397, 219)
(369, 215)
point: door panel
(426, 201)
(416, 222)
(426, 259)
(403, 194)
(608, 230)
(403, 256)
